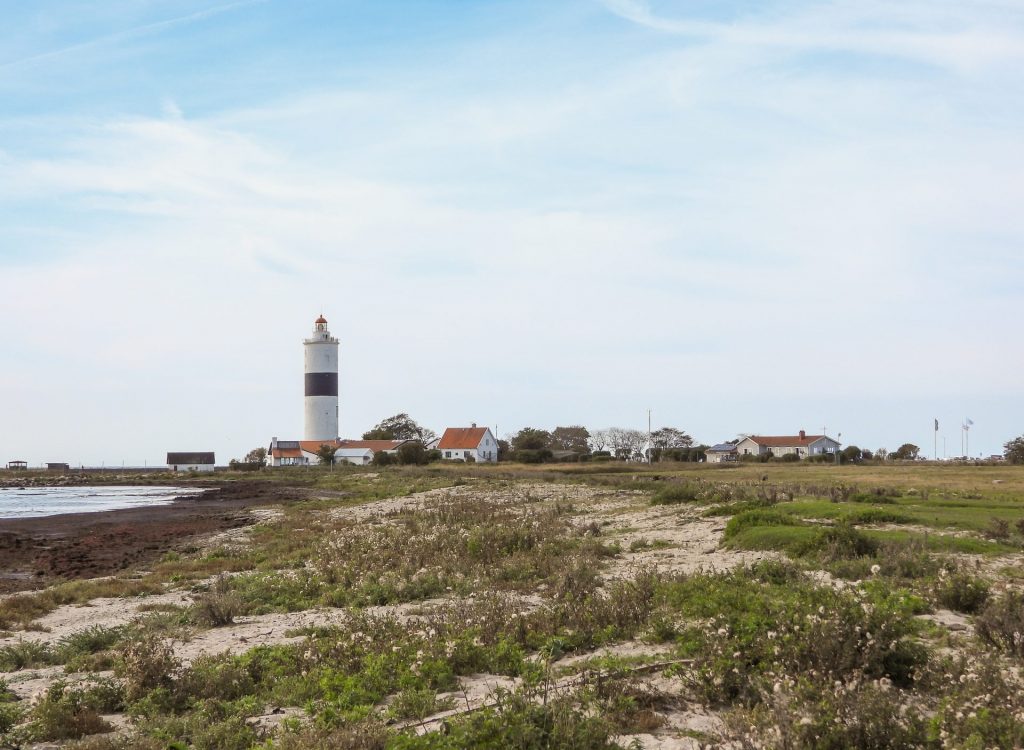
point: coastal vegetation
(593, 605)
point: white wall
(190, 467)
(485, 452)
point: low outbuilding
(721, 453)
(185, 461)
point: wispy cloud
(967, 36)
(621, 222)
(120, 36)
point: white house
(190, 461)
(304, 452)
(803, 445)
(469, 444)
(361, 452)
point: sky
(747, 217)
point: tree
(412, 453)
(326, 454)
(627, 444)
(530, 439)
(1014, 450)
(851, 454)
(882, 454)
(399, 427)
(257, 456)
(906, 452)
(599, 440)
(574, 438)
(670, 437)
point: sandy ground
(684, 542)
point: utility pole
(649, 446)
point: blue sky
(747, 217)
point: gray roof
(721, 448)
(173, 459)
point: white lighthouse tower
(321, 383)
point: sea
(31, 502)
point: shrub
(803, 714)
(839, 542)
(66, 713)
(998, 529)
(755, 629)
(412, 454)
(1001, 623)
(219, 606)
(88, 649)
(962, 592)
(147, 663)
(878, 515)
(10, 715)
(672, 494)
(982, 704)
(24, 655)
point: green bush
(751, 518)
(672, 494)
(962, 592)
(877, 515)
(69, 713)
(219, 606)
(760, 623)
(24, 655)
(839, 542)
(1001, 623)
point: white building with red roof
(304, 452)
(469, 444)
(802, 444)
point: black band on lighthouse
(321, 384)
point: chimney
(802, 434)
(474, 424)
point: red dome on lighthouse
(321, 319)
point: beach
(36, 551)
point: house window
(447, 454)
(465, 454)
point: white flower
(876, 569)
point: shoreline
(40, 550)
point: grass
(509, 583)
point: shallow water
(49, 501)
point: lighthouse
(321, 350)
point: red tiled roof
(312, 446)
(784, 441)
(286, 453)
(462, 438)
(373, 445)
